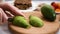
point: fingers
(9, 14)
(12, 9)
(4, 16)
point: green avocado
(20, 21)
(35, 21)
(48, 12)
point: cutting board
(48, 28)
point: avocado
(48, 12)
(35, 21)
(20, 21)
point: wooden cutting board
(48, 28)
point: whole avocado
(35, 21)
(48, 12)
(20, 21)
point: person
(7, 10)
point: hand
(8, 10)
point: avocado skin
(20, 21)
(48, 12)
(35, 21)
